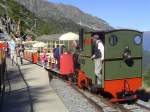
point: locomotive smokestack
(81, 34)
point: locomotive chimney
(81, 34)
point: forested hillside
(29, 21)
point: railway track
(143, 104)
(103, 105)
(100, 104)
(139, 106)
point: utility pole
(35, 24)
(5, 3)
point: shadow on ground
(22, 101)
(22, 97)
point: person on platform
(44, 58)
(12, 47)
(21, 53)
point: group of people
(56, 54)
(8, 27)
(98, 55)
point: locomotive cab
(122, 65)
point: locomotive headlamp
(137, 39)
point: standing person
(56, 55)
(44, 58)
(74, 46)
(58, 51)
(21, 49)
(12, 47)
(98, 57)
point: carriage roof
(66, 36)
(114, 30)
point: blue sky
(134, 14)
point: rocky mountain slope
(39, 25)
(47, 10)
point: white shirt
(12, 45)
(101, 48)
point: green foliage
(147, 77)
(43, 26)
(146, 60)
(146, 68)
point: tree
(147, 77)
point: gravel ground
(71, 98)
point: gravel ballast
(73, 100)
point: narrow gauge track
(92, 102)
(103, 105)
(98, 102)
(138, 106)
(143, 105)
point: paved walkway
(28, 90)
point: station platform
(28, 90)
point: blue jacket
(56, 53)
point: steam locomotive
(121, 68)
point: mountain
(43, 17)
(17, 11)
(146, 40)
(146, 60)
(61, 12)
(39, 25)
